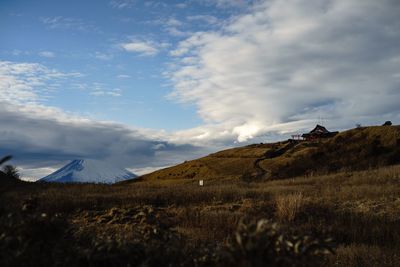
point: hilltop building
(318, 132)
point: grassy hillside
(356, 149)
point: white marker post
(201, 182)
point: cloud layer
(39, 137)
(288, 62)
(68, 23)
(24, 82)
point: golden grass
(360, 255)
(359, 209)
(288, 206)
(356, 149)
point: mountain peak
(89, 171)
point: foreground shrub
(31, 238)
(263, 243)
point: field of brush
(184, 224)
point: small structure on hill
(297, 137)
(319, 132)
(387, 123)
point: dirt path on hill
(260, 172)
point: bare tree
(11, 171)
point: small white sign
(201, 182)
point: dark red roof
(319, 131)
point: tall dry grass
(360, 255)
(289, 206)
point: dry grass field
(185, 224)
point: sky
(148, 84)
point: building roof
(320, 131)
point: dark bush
(263, 243)
(11, 171)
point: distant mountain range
(89, 171)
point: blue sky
(147, 84)
(86, 37)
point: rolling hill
(355, 149)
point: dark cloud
(43, 139)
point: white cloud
(17, 52)
(173, 22)
(33, 174)
(47, 54)
(155, 4)
(228, 3)
(145, 48)
(100, 89)
(29, 82)
(123, 76)
(68, 23)
(293, 61)
(175, 31)
(205, 18)
(101, 92)
(172, 26)
(120, 4)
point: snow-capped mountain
(89, 171)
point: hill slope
(88, 171)
(354, 149)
